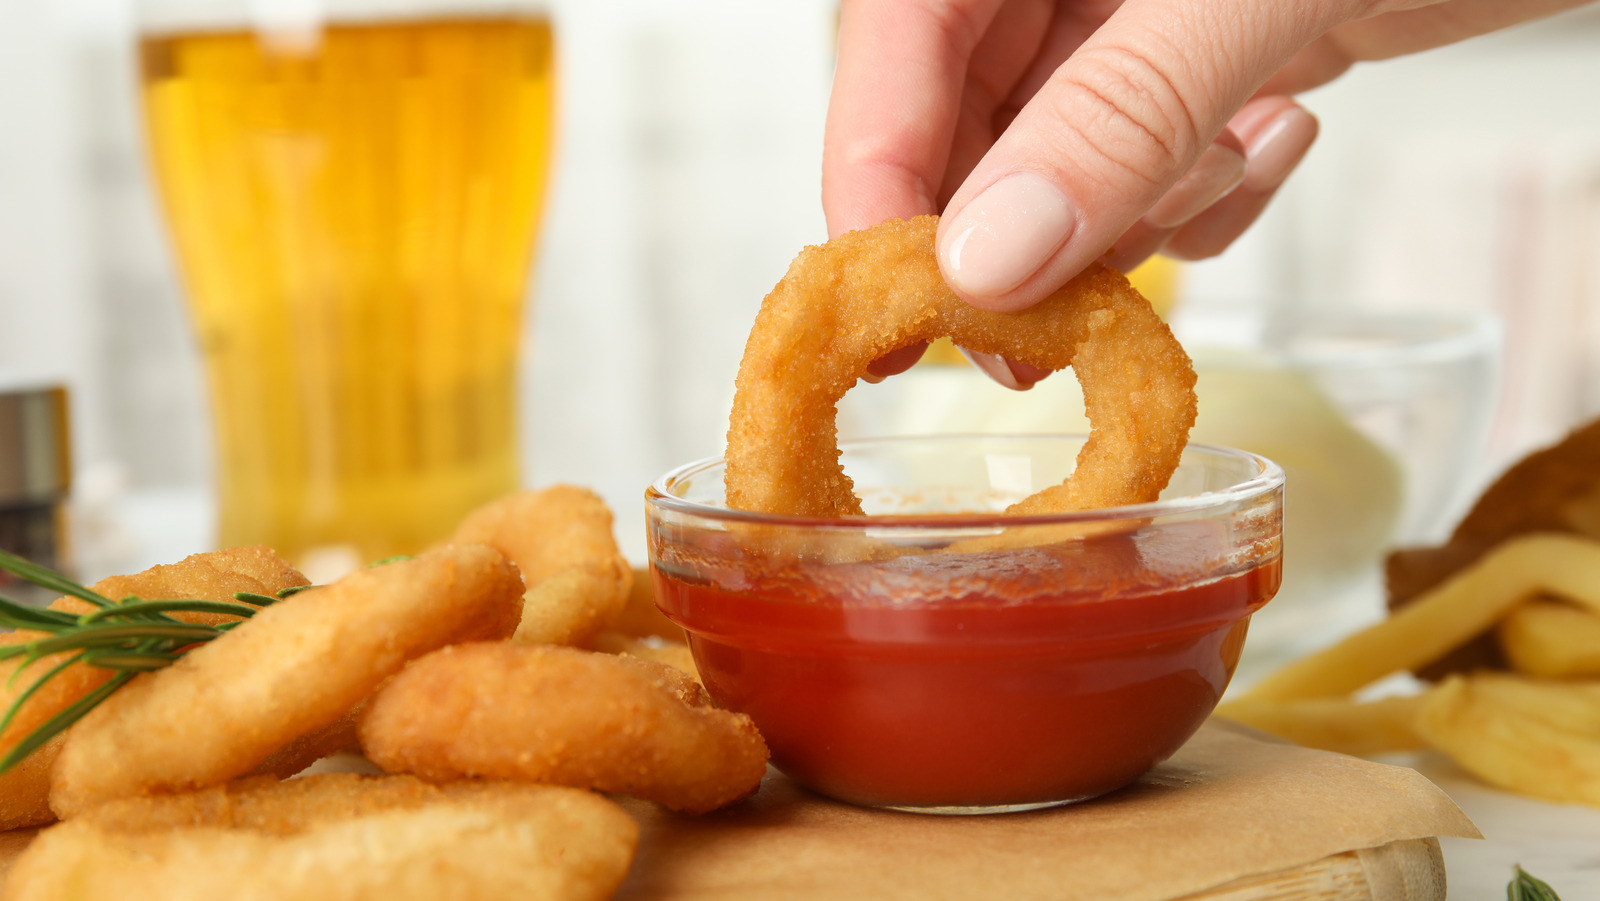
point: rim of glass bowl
(1268, 477)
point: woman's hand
(1050, 133)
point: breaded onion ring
(388, 838)
(560, 538)
(553, 714)
(297, 667)
(214, 576)
(848, 302)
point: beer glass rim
(154, 17)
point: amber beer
(354, 217)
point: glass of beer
(353, 189)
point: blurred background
(1465, 181)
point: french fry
(1468, 603)
(1572, 706)
(1513, 737)
(1335, 724)
(1552, 639)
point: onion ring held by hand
(848, 302)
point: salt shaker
(35, 477)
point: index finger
(894, 107)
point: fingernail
(1219, 170)
(1004, 371)
(1004, 234)
(1277, 148)
(994, 366)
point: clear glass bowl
(936, 655)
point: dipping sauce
(1002, 679)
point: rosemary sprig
(261, 600)
(49, 579)
(1525, 887)
(128, 636)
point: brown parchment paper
(1231, 803)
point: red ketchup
(1001, 679)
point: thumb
(1105, 137)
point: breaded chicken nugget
(336, 837)
(298, 666)
(560, 537)
(553, 714)
(215, 576)
(25, 788)
(304, 750)
(675, 654)
(640, 616)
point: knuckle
(1135, 117)
(962, 26)
(955, 27)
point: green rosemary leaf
(397, 558)
(98, 635)
(293, 590)
(130, 660)
(58, 723)
(250, 597)
(49, 579)
(38, 683)
(1526, 887)
(135, 608)
(21, 616)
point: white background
(1467, 178)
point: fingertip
(895, 362)
(1278, 146)
(1139, 243)
(1027, 374)
(1013, 374)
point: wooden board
(1233, 816)
(1410, 870)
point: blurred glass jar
(353, 189)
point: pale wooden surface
(1410, 870)
(1232, 816)
(1349, 876)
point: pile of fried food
(499, 681)
(502, 679)
(1503, 625)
